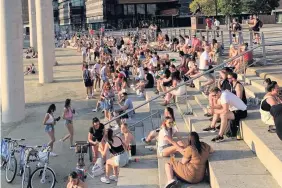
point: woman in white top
(49, 122)
(165, 138)
(176, 80)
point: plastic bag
(98, 168)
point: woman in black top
(120, 156)
(95, 137)
(276, 112)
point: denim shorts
(68, 121)
(49, 128)
(122, 159)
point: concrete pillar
(11, 61)
(45, 40)
(32, 24)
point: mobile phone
(58, 118)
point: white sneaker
(94, 110)
(87, 97)
(72, 147)
(114, 127)
(141, 95)
(132, 85)
(95, 90)
(113, 178)
(52, 154)
(105, 180)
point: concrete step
(141, 174)
(232, 164)
(253, 80)
(266, 146)
(252, 91)
(183, 133)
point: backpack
(86, 75)
(260, 23)
(238, 27)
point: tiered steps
(232, 164)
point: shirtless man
(75, 182)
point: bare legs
(52, 137)
(70, 135)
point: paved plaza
(67, 84)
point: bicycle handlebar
(16, 139)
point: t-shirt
(129, 104)
(188, 42)
(164, 132)
(150, 79)
(140, 72)
(97, 67)
(97, 134)
(217, 23)
(104, 73)
(203, 58)
(83, 50)
(235, 103)
(154, 62)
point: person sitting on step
(192, 167)
(231, 108)
(166, 144)
(168, 112)
(270, 99)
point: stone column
(32, 24)
(45, 40)
(11, 61)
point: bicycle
(8, 159)
(43, 174)
(81, 148)
(27, 154)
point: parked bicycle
(81, 148)
(42, 176)
(8, 158)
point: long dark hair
(110, 136)
(194, 140)
(67, 103)
(52, 108)
(270, 84)
(171, 112)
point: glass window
(125, 9)
(131, 10)
(151, 9)
(140, 9)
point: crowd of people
(110, 66)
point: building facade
(71, 15)
(121, 14)
(278, 13)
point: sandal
(207, 114)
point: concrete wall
(267, 19)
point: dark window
(131, 10)
(140, 9)
(151, 9)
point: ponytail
(270, 84)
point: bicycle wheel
(36, 179)
(25, 177)
(11, 169)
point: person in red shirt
(196, 43)
(209, 23)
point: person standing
(88, 82)
(68, 117)
(217, 26)
(49, 122)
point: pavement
(67, 84)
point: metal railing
(140, 121)
(183, 84)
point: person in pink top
(196, 43)
(209, 23)
(68, 117)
